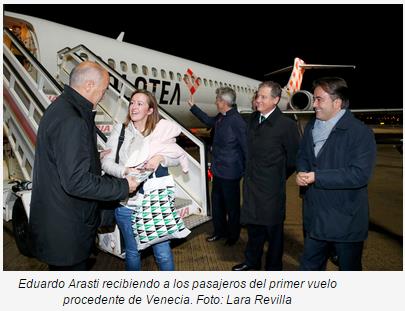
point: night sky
(253, 40)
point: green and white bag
(155, 218)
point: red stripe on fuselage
(20, 117)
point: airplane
(165, 75)
(171, 78)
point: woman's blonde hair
(153, 118)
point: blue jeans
(162, 251)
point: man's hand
(190, 101)
(305, 178)
(300, 179)
(132, 183)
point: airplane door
(25, 33)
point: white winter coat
(137, 149)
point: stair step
(181, 202)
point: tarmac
(383, 250)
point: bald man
(67, 181)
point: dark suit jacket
(336, 205)
(229, 145)
(272, 149)
(67, 182)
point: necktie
(262, 118)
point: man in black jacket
(335, 161)
(228, 164)
(67, 181)
(272, 147)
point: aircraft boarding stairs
(28, 89)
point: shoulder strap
(120, 141)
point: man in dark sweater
(228, 164)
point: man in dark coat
(67, 179)
(228, 164)
(334, 163)
(272, 146)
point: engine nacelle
(302, 101)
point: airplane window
(154, 72)
(145, 70)
(124, 66)
(171, 74)
(134, 68)
(163, 74)
(216, 83)
(220, 83)
(199, 80)
(211, 84)
(238, 88)
(84, 56)
(179, 76)
(186, 78)
(225, 84)
(205, 82)
(111, 63)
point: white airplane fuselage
(133, 61)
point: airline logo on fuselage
(166, 92)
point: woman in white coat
(149, 143)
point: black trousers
(257, 236)
(225, 198)
(316, 253)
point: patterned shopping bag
(155, 218)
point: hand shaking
(132, 183)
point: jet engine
(302, 101)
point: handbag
(155, 218)
(107, 208)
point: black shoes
(228, 242)
(214, 238)
(243, 267)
